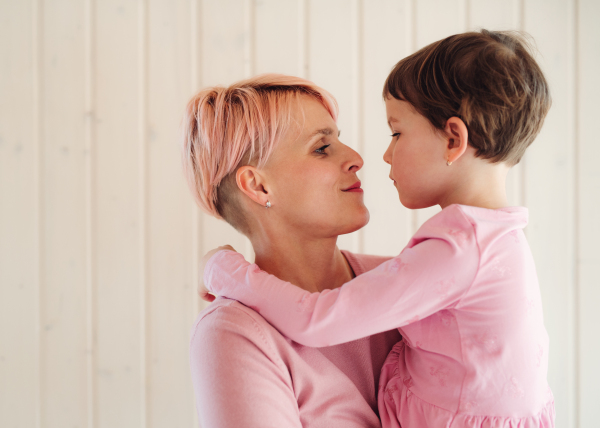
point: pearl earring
(268, 205)
(448, 163)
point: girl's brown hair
(489, 79)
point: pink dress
(247, 374)
(463, 293)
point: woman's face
(311, 176)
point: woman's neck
(311, 264)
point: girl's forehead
(394, 115)
(398, 111)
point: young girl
(464, 292)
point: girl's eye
(321, 150)
(396, 134)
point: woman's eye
(395, 134)
(321, 150)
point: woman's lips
(354, 188)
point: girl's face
(416, 155)
(312, 179)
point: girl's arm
(427, 277)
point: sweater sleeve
(432, 273)
(236, 376)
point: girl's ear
(250, 181)
(457, 137)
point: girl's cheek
(398, 163)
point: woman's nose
(355, 162)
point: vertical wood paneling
(63, 300)
(493, 15)
(169, 218)
(387, 38)
(117, 221)
(89, 164)
(303, 38)
(18, 218)
(278, 41)
(588, 205)
(37, 259)
(436, 19)
(249, 38)
(548, 178)
(142, 138)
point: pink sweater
(247, 374)
(465, 296)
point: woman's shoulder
(230, 317)
(228, 327)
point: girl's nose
(387, 156)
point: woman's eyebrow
(322, 131)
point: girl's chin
(415, 204)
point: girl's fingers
(202, 290)
(205, 295)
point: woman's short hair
(228, 127)
(489, 79)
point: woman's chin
(357, 222)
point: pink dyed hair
(224, 128)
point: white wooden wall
(99, 237)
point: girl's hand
(202, 290)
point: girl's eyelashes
(395, 134)
(321, 150)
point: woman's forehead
(312, 119)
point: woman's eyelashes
(321, 150)
(395, 134)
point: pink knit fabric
(247, 374)
(464, 294)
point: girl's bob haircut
(228, 127)
(489, 79)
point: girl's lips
(354, 188)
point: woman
(264, 155)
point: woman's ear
(250, 181)
(457, 137)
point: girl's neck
(483, 186)
(311, 264)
